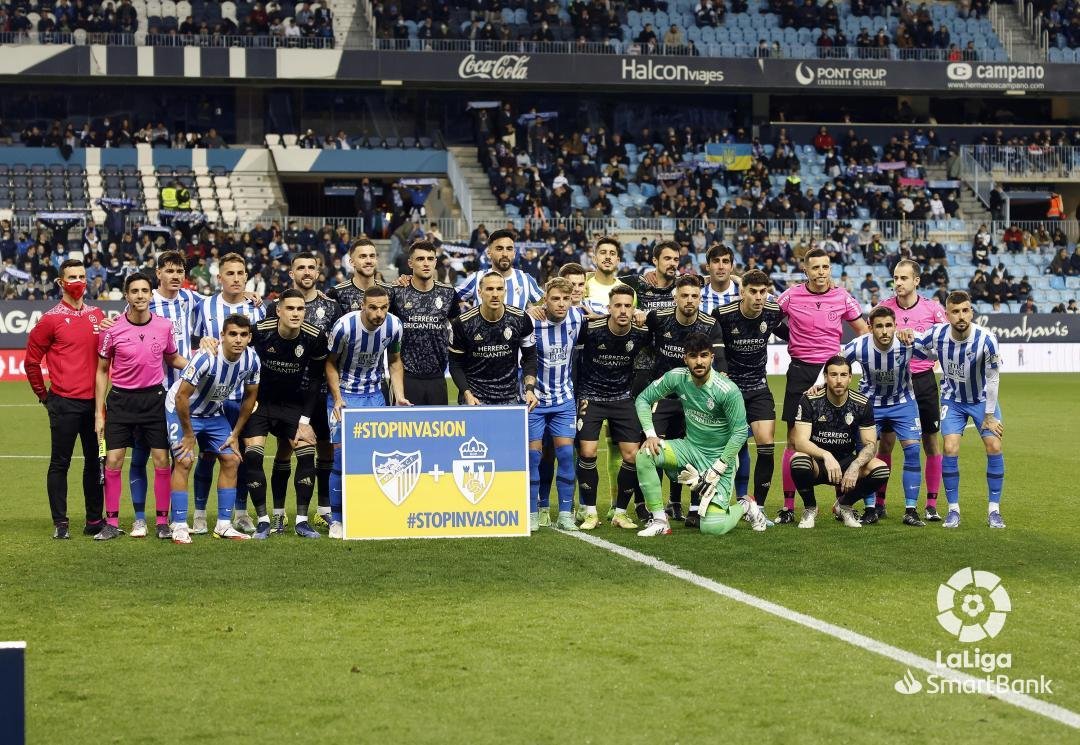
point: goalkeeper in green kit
(707, 458)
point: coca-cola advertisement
(504, 67)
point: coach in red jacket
(66, 338)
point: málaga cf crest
(396, 473)
(474, 472)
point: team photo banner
(435, 472)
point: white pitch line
(1020, 700)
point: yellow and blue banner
(435, 472)
(732, 157)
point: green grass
(545, 640)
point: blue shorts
(232, 411)
(211, 432)
(559, 420)
(352, 401)
(954, 416)
(903, 419)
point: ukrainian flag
(731, 157)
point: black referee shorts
(925, 386)
(278, 419)
(136, 416)
(426, 391)
(621, 416)
(668, 418)
(760, 406)
(800, 377)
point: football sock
(546, 475)
(742, 476)
(802, 474)
(304, 483)
(912, 475)
(322, 476)
(179, 501)
(335, 487)
(626, 481)
(614, 465)
(112, 496)
(253, 459)
(788, 482)
(226, 500)
(564, 455)
(933, 479)
(648, 471)
(534, 479)
(279, 482)
(140, 454)
(995, 479)
(241, 484)
(588, 480)
(764, 467)
(887, 459)
(950, 475)
(867, 484)
(162, 488)
(676, 492)
(203, 478)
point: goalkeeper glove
(710, 479)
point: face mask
(74, 289)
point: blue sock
(226, 500)
(564, 455)
(995, 478)
(912, 476)
(534, 479)
(179, 501)
(335, 487)
(950, 476)
(742, 476)
(241, 486)
(204, 477)
(870, 500)
(137, 480)
(547, 475)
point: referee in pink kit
(131, 353)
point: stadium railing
(460, 186)
(1020, 161)
(975, 175)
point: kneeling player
(715, 430)
(194, 413)
(835, 439)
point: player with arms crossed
(746, 325)
(835, 440)
(816, 312)
(556, 335)
(195, 414)
(886, 381)
(721, 289)
(209, 321)
(425, 308)
(521, 288)
(354, 373)
(918, 314)
(292, 357)
(703, 460)
(609, 346)
(971, 363)
(132, 352)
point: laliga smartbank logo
(972, 606)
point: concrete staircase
(971, 207)
(1016, 35)
(485, 208)
(258, 196)
(346, 17)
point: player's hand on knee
(992, 424)
(832, 469)
(847, 483)
(653, 445)
(305, 435)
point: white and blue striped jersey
(521, 289)
(555, 344)
(215, 380)
(711, 299)
(211, 313)
(964, 363)
(180, 312)
(360, 352)
(886, 376)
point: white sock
(279, 512)
(993, 507)
(222, 525)
(200, 513)
(561, 514)
(591, 509)
(301, 519)
(659, 515)
(324, 510)
(620, 511)
(694, 508)
(264, 519)
(954, 507)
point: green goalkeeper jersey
(715, 413)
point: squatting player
(886, 381)
(971, 364)
(816, 312)
(354, 373)
(715, 430)
(918, 314)
(195, 415)
(835, 441)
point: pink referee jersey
(136, 352)
(920, 317)
(816, 321)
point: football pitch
(551, 639)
